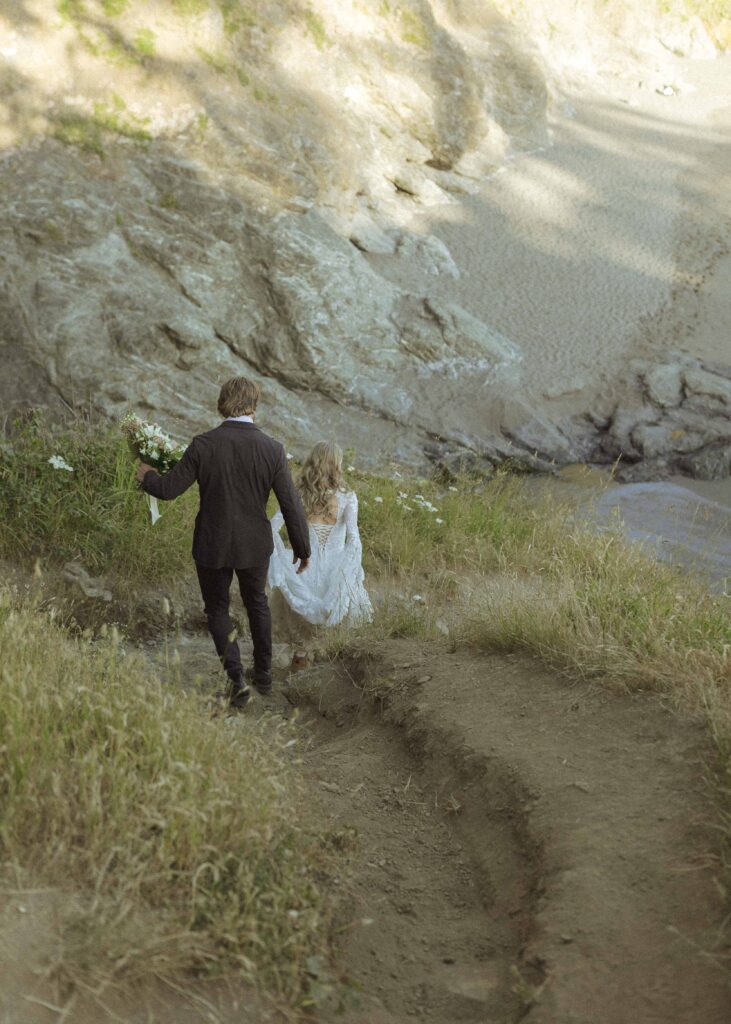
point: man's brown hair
(238, 397)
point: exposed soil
(524, 849)
(529, 849)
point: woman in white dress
(331, 589)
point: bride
(331, 590)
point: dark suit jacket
(236, 466)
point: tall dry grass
(174, 840)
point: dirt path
(428, 934)
(551, 843)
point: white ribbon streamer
(153, 507)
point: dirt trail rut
(548, 860)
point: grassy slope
(480, 561)
(586, 601)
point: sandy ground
(609, 243)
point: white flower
(350, 469)
(58, 462)
(378, 500)
(454, 488)
(402, 494)
(289, 456)
(420, 497)
(438, 520)
(396, 475)
(419, 598)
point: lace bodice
(322, 532)
(331, 588)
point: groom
(236, 466)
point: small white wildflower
(419, 598)
(289, 456)
(378, 500)
(407, 508)
(402, 494)
(420, 497)
(438, 520)
(396, 475)
(293, 914)
(454, 488)
(58, 462)
(351, 469)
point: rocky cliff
(195, 189)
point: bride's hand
(141, 470)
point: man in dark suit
(236, 466)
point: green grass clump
(236, 15)
(189, 8)
(218, 61)
(114, 8)
(144, 42)
(115, 118)
(413, 30)
(95, 514)
(88, 131)
(71, 10)
(76, 129)
(172, 841)
(316, 29)
(416, 526)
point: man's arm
(179, 479)
(291, 505)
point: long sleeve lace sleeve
(353, 544)
(278, 559)
(348, 596)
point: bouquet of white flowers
(150, 444)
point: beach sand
(611, 242)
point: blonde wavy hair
(321, 475)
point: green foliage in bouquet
(149, 443)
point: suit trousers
(215, 586)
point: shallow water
(685, 522)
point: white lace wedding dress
(331, 589)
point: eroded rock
(676, 420)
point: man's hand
(141, 470)
(303, 563)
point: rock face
(119, 301)
(212, 214)
(677, 419)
